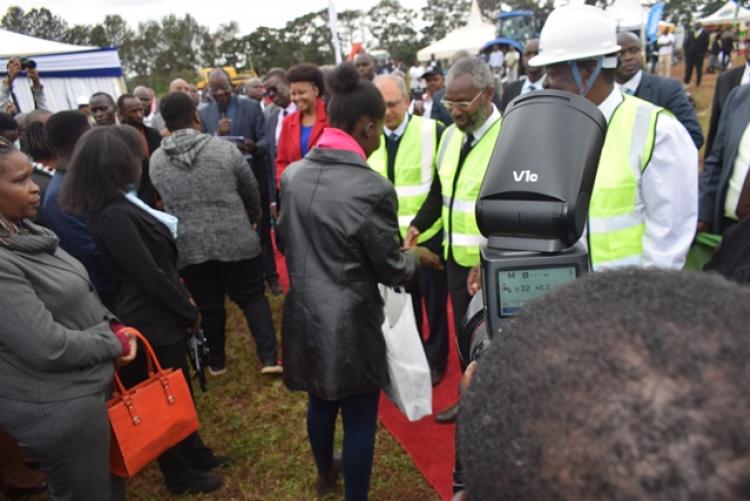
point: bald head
(396, 97)
(220, 87)
(179, 85)
(631, 58)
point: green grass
(261, 425)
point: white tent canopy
(471, 37)
(727, 15)
(67, 72)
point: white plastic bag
(410, 388)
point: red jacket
(288, 149)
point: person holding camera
(15, 67)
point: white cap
(575, 33)
(82, 101)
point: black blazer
(438, 111)
(669, 93)
(272, 119)
(510, 91)
(146, 190)
(719, 165)
(141, 255)
(724, 85)
(696, 48)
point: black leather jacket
(339, 225)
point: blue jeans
(360, 416)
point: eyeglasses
(460, 105)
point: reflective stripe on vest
(459, 207)
(413, 171)
(616, 212)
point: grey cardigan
(55, 339)
(209, 186)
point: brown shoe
(448, 415)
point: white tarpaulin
(66, 71)
(727, 15)
(471, 37)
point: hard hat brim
(548, 58)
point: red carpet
(429, 444)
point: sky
(248, 13)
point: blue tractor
(514, 29)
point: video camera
(533, 208)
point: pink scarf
(337, 139)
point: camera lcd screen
(518, 286)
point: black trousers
(210, 282)
(177, 463)
(460, 297)
(432, 289)
(696, 63)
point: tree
(80, 34)
(308, 38)
(391, 25)
(442, 17)
(39, 23)
(349, 28)
(14, 20)
(267, 49)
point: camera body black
(27, 64)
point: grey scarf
(26, 237)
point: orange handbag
(150, 417)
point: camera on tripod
(533, 208)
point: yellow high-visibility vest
(617, 219)
(413, 171)
(461, 236)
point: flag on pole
(332, 20)
(654, 16)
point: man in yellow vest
(643, 209)
(463, 155)
(406, 156)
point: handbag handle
(152, 362)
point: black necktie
(391, 143)
(465, 149)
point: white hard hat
(575, 33)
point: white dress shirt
(528, 84)
(631, 85)
(282, 115)
(739, 173)
(668, 191)
(745, 75)
(398, 131)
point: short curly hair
(307, 72)
(620, 385)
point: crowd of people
(148, 213)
